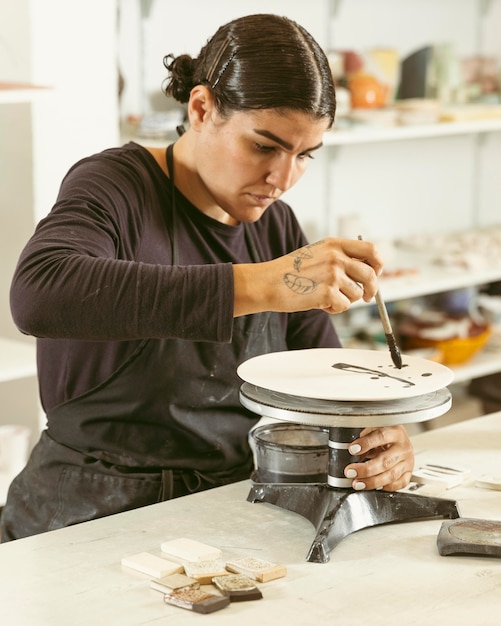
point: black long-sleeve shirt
(97, 275)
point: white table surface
(385, 575)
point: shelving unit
(48, 121)
(15, 93)
(482, 364)
(17, 358)
(362, 135)
(432, 279)
(424, 276)
(367, 135)
(428, 278)
(370, 171)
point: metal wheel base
(335, 513)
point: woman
(158, 272)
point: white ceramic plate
(344, 374)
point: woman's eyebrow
(282, 142)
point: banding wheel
(333, 507)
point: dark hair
(258, 61)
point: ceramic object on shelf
(417, 111)
(455, 351)
(367, 92)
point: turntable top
(344, 374)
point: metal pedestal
(336, 513)
(335, 509)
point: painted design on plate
(374, 374)
(344, 374)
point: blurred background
(411, 163)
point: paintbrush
(396, 357)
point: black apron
(119, 447)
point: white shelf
(17, 360)
(18, 92)
(432, 278)
(361, 135)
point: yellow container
(453, 351)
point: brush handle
(388, 331)
(390, 337)
(383, 314)
(381, 307)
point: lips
(262, 199)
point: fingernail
(355, 448)
(351, 473)
(359, 486)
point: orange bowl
(453, 351)
(367, 92)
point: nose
(282, 174)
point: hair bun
(180, 82)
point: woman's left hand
(386, 459)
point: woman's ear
(200, 106)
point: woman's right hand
(329, 275)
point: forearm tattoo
(301, 284)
